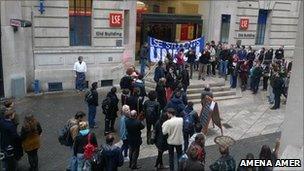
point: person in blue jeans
(123, 130)
(144, 56)
(224, 54)
(92, 104)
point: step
(191, 86)
(196, 101)
(215, 94)
(213, 89)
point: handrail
(151, 69)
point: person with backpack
(111, 155)
(159, 71)
(10, 141)
(134, 101)
(152, 113)
(140, 84)
(126, 81)
(30, 137)
(84, 146)
(190, 118)
(68, 134)
(160, 141)
(177, 104)
(225, 162)
(192, 163)
(110, 109)
(161, 93)
(125, 114)
(257, 73)
(185, 78)
(125, 93)
(91, 98)
(134, 127)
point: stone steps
(192, 96)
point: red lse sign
(115, 19)
(244, 23)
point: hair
(163, 118)
(162, 80)
(160, 63)
(83, 125)
(113, 89)
(79, 115)
(152, 95)
(265, 152)
(110, 139)
(136, 91)
(129, 71)
(198, 127)
(200, 137)
(125, 108)
(80, 58)
(224, 150)
(94, 86)
(8, 103)
(9, 113)
(249, 156)
(30, 123)
(125, 91)
(193, 152)
(140, 76)
(133, 114)
(171, 111)
(177, 94)
(190, 104)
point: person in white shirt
(80, 69)
(174, 129)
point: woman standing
(30, 136)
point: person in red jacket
(180, 60)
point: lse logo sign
(244, 23)
(115, 20)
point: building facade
(100, 31)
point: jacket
(191, 165)
(82, 140)
(144, 51)
(160, 138)
(257, 72)
(191, 57)
(171, 81)
(161, 95)
(159, 73)
(174, 129)
(31, 139)
(94, 100)
(151, 117)
(180, 58)
(250, 55)
(242, 54)
(134, 128)
(176, 104)
(9, 136)
(205, 57)
(113, 106)
(122, 127)
(225, 163)
(135, 103)
(185, 77)
(224, 54)
(112, 157)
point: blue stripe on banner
(161, 48)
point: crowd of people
(169, 118)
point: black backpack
(97, 161)
(65, 137)
(151, 111)
(88, 96)
(106, 105)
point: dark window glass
(261, 28)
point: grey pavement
(248, 116)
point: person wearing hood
(81, 141)
(177, 104)
(112, 155)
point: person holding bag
(30, 137)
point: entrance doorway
(1, 72)
(225, 28)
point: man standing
(203, 61)
(92, 100)
(143, 54)
(110, 109)
(174, 129)
(279, 53)
(225, 162)
(134, 128)
(80, 68)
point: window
(126, 26)
(80, 12)
(171, 10)
(225, 27)
(261, 28)
(156, 8)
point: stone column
(292, 128)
